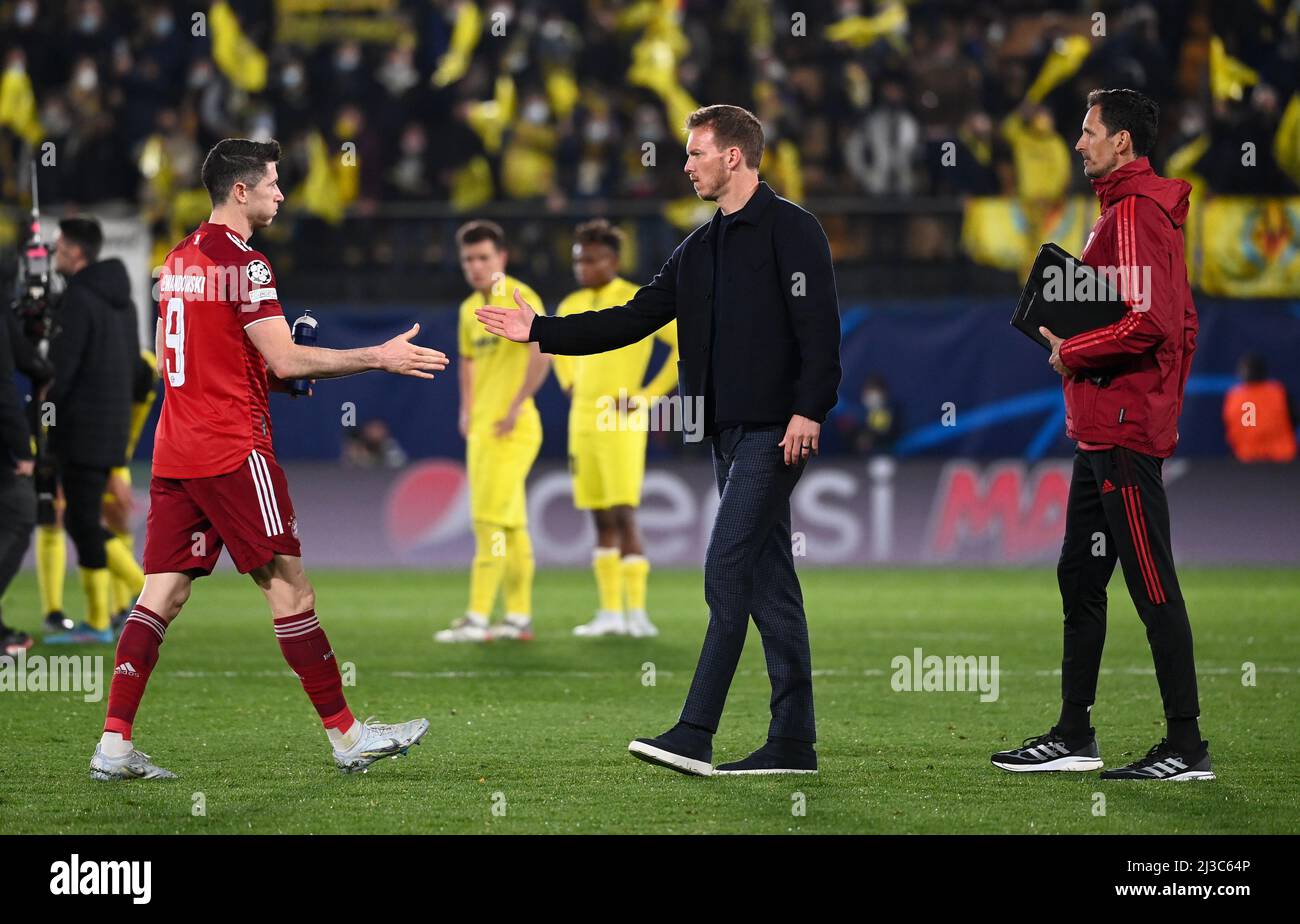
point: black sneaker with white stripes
(1049, 753)
(1164, 762)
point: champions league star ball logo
(259, 274)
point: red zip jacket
(1146, 354)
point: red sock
(137, 653)
(308, 652)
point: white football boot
(639, 625)
(514, 627)
(607, 622)
(469, 628)
(130, 766)
(379, 740)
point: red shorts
(247, 510)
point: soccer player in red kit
(215, 480)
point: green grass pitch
(532, 737)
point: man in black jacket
(753, 294)
(17, 496)
(88, 406)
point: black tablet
(1067, 296)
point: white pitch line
(411, 675)
(591, 675)
(1056, 672)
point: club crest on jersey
(258, 272)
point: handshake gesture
(401, 357)
(511, 323)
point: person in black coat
(17, 496)
(753, 294)
(87, 408)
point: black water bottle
(304, 334)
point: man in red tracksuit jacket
(1123, 394)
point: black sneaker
(682, 748)
(55, 621)
(12, 641)
(777, 756)
(1049, 753)
(1164, 762)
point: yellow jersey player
(503, 434)
(608, 423)
(119, 503)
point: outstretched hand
(402, 357)
(511, 323)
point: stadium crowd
(855, 97)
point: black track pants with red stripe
(1117, 508)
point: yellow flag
(18, 105)
(319, 191)
(654, 66)
(464, 39)
(1066, 57)
(1228, 76)
(237, 57)
(862, 31)
(1286, 144)
(1250, 247)
(999, 231)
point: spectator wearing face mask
(295, 110)
(91, 32)
(880, 423)
(29, 27)
(160, 46)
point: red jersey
(214, 414)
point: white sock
(345, 740)
(477, 618)
(518, 619)
(114, 745)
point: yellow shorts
(497, 468)
(608, 468)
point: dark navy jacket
(778, 334)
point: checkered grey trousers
(749, 570)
